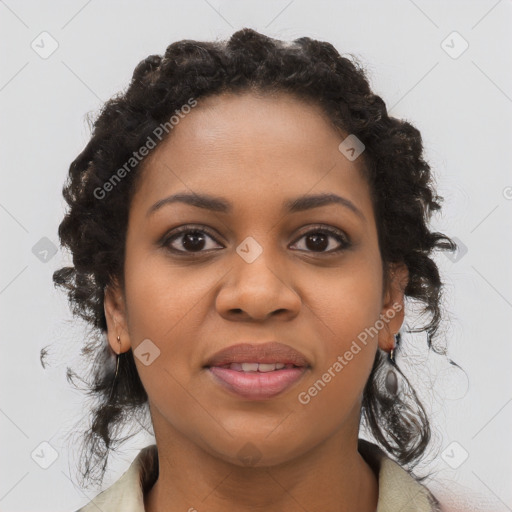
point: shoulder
(127, 493)
(398, 489)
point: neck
(332, 477)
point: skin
(256, 152)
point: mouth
(258, 367)
(257, 372)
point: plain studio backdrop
(444, 66)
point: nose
(257, 291)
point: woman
(245, 223)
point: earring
(391, 378)
(117, 368)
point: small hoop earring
(117, 370)
(391, 382)
(393, 351)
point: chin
(258, 451)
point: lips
(264, 353)
(257, 372)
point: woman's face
(257, 269)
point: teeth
(266, 367)
(249, 367)
(257, 367)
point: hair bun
(146, 66)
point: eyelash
(335, 233)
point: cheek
(347, 300)
(346, 308)
(158, 293)
(162, 304)
(154, 306)
(170, 306)
(337, 382)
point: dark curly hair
(94, 230)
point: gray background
(462, 104)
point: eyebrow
(218, 204)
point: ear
(393, 307)
(115, 314)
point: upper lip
(270, 352)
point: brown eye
(324, 240)
(190, 240)
(197, 240)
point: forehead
(253, 148)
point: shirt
(398, 489)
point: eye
(197, 239)
(317, 240)
(191, 239)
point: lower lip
(257, 385)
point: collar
(398, 489)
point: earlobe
(117, 333)
(393, 309)
(398, 279)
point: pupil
(316, 237)
(193, 241)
